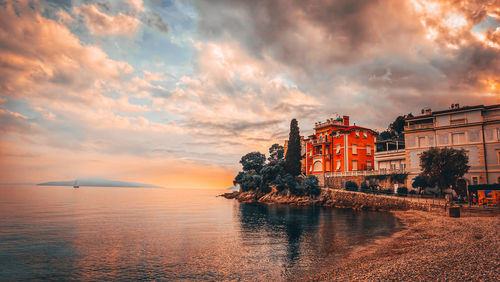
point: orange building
(337, 146)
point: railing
(419, 126)
(458, 121)
(365, 172)
(383, 152)
(323, 141)
(490, 118)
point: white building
(476, 129)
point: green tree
(276, 153)
(253, 161)
(419, 182)
(293, 153)
(443, 167)
(311, 185)
(272, 171)
(385, 135)
(250, 178)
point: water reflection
(311, 236)
(56, 233)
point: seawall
(332, 198)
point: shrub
(311, 186)
(351, 186)
(387, 191)
(365, 187)
(402, 190)
(413, 192)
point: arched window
(318, 166)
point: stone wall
(339, 181)
(333, 198)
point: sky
(173, 93)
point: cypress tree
(293, 153)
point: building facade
(476, 129)
(336, 146)
(390, 155)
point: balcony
(419, 126)
(458, 121)
(365, 172)
(323, 141)
(491, 118)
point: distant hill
(98, 182)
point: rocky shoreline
(331, 198)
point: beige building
(390, 156)
(476, 129)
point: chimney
(346, 120)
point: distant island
(98, 182)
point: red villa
(337, 146)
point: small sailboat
(75, 185)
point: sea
(99, 233)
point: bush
(311, 185)
(365, 187)
(402, 191)
(413, 192)
(387, 191)
(351, 186)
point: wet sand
(429, 247)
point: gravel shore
(430, 247)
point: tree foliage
(395, 129)
(351, 186)
(253, 161)
(419, 182)
(293, 153)
(443, 167)
(402, 190)
(259, 175)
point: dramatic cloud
(358, 55)
(155, 21)
(157, 93)
(100, 23)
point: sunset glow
(173, 93)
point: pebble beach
(430, 247)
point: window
(354, 149)
(421, 141)
(337, 134)
(338, 149)
(475, 180)
(318, 166)
(458, 138)
(393, 166)
(488, 134)
(357, 133)
(369, 165)
(365, 134)
(338, 165)
(443, 139)
(368, 150)
(354, 164)
(498, 134)
(474, 136)
(498, 156)
(402, 166)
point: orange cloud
(100, 23)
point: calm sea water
(173, 234)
